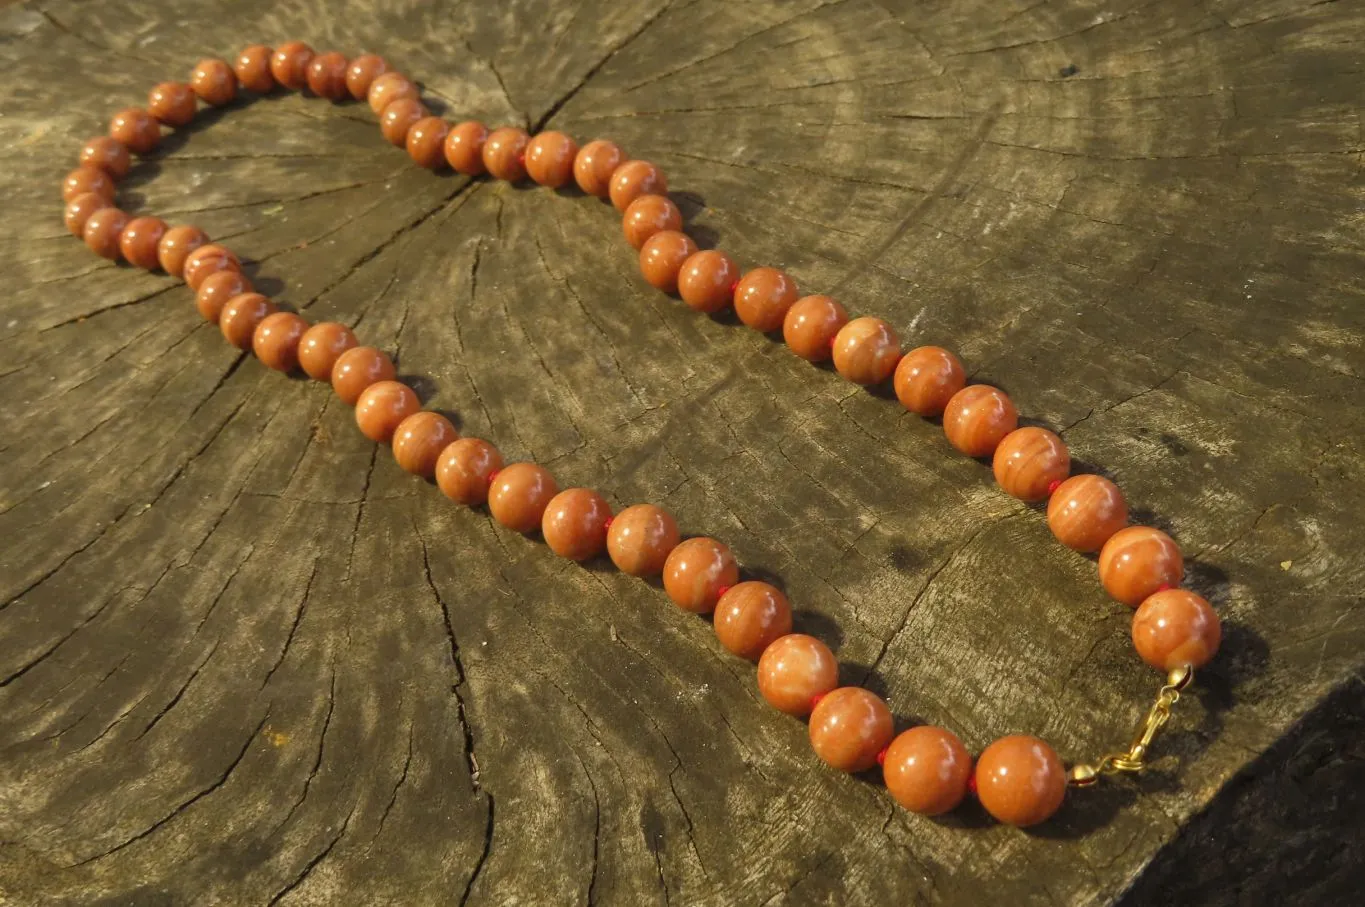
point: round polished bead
(594, 165)
(750, 617)
(426, 142)
(214, 82)
(88, 179)
(206, 260)
(398, 117)
(276, 341)
(549, 159)
(109, 155)
(419, 440)
(289, 65)
(849, 727)
(519, 495)
(362, 72)
(172, 103)
(794, 670)
(707, 281)
(634, 179)
(1085, 511)
(321, 346)
(464, 147)
(1174, 628)
(1020, 780)
(79, 209)
(1138, 561)
(697, 571)
(358, 368)
(103, 230)
(252, 68)
(389, 87)
(763, 297)
(240, 317)
(662, 257)
(466, 468)
(139, 241)
(575, 523)
(215, 291)
(641, 538)
(927, 769)
(647, 215)
(327, 76)
(811, 325)
(177, 245)
(1029, 462)
(977, 419)
(136, 130)
(504, 153)
(382, 407)
(927, 377)
(866, 350)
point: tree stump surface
(245, 659)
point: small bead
(927, 769)
(172, 103)
(398, 117)
(177, 245)
(464, 469)
(214, 82)
(696, 572)
(464, 147)
(140, 240)
(419, 440)
(750, 617)
(641, 538)
(1174, 628)
(504, 153)
(206, 260)
(79, 209)
(763, 297)
(549, 159)
(109, 155)
(1138, 561)
(382, 407)
(390, 87)
(136, 130)
(252, 68)
(327, 76)
(519, 495)
(1085, 512)
(866, 350)
(321, 346)
(594, 165)
(276, 341)
(794, 670)
(634, 179)
(1020, 780)
(849, 727)
(358, 368)
(662, 257)
(707, 281)
(1031, 461)
(811, 325)
(927, 377)
(647, 215)
(362, 72)
(977, 419)
(240, 317)
(103, 230)
(88, 179)
(215, 291)
(289, 65)
(426, 142)
(575, 524)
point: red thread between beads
(881, 757)
(1163, 587)
(606, 524)
(492, 476)
(1053, 485)
(815, 700)
(971, 784)
(734, 286)
(521, 158)
(720, 593)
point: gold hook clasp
(1134, 758)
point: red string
(1163, 587)
(720, 593)
(734, 286)
(606, 524)
(971, 784)
(492, 476)
(1053, 485)
(815, 700)
(881, 757)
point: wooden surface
(244, 659)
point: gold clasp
(1134, 758)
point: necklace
(1020, 780)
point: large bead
(662, 257)
(426, 142)
(697, 571)
(206, 260)
(634, 179)
(108, 154)
(216, 290)
(707, 280)
(849, 727)
(1029, 462)
(289, 64)
(382, 407)
(549, 159)
(321, 346)
(594, 165)
(398, 117)
(362, 72)
(389, 87)
(214, 82)
(927, 377)
(172, 103)
(240, 317)
(465, 469)
(1020, 780)
(575, 523)
(358, 368)
(750, 617)
(977, 419)
(419, 440)
(504, 153)
(176, 246)
(1175, 628)
(647, 215)
(641, 538)
(79, 209)
(136, 130)
(327, 76)
(763, 297)
(1138, 561)
(140, 239)
(88, 179)
(276, 341)
(103, 230)
(866, 350)
(519, 495)
(464, 147)
(927, 769)
(794, 670)
(1085, 511)
(810, 326)
(252, 68)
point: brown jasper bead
(252, 69)
(465, 470)
(707, 281)
(575, 524)
(389, 87)
(136, 130)
(634, 179)
(103, 230)
(289, 65)
(426, 142)
(641, 538)
(549, 159)
(697, 571)
(504, 153)
(88, 179)
(79, 209)
(108, 155)
(172, 103)
(1137, 562)
(216, 290)
(1085, 511)
(1175, 628)
(519, 496)
(866, 350)
(176, 246)
(927, 769)
(382, 407)
(1020, 780)
(327, 76)
(647, 215)
(139, 241)
(1029, 462)
(794, 670)
(276, 341)
(321, 346)
(362, 72)
(419, 440)
(594, 164)
(358, 368)
(750, 617)
(240, 316)
(811, 325)
(849, 727)
(977, 418)
(214, 82)
(662, 257)
(464, 147)
(927, 377)
(763, 297)
(398, 117)
(206, 260)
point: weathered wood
(244, 659)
